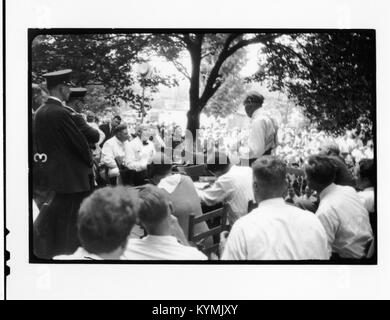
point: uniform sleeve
(256, 140)
(91, 134)
(73, 137)
(235, 248)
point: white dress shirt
(113, 148)
(160, 248)
(233, 188)
(79, 254)
(262, 134)
(368, 198)
(277, 231)
(138, 155)
(345, 220)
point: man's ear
(170, 207)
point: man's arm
(217, 193)
(91, 134)
(108, 156)
(71, 135)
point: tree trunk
(195, 107)
(193, 120)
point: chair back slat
(209, 215)
(206, 234)
(198, 239)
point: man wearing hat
(65, 156)
(75, 104)
(263, 129)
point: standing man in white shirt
(263, 129)
(340, 211)
(275, 230)
(232, 187)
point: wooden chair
(198, 239)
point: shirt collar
(327, 190)
(56, 99)
(86, 255)
(170, 183)
(256, 113)
(160, 239)
(272, 202)
(118, 141)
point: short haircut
(254, 97)
(270, 172)
(161, 165)
(117, 117)
(218, 161)
(153, 205)
(320, 169)
(331, 147)
(367, 170)
(106, 218)
(119, 128)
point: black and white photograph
(194, 145)
(195, 150)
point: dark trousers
(55, 229)
(134, 178)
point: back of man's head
(218, 162)
(119, 128)
(269, 178)
(106, 218)
(320, 172)
(161, 165)
(253, 101)
(330, 148)
(153, 207)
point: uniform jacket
(69, 162)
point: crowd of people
(113, 190)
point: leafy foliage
(97, 59)
(331, 75)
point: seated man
(104, 223)
(340, 211)
(138, 153)
(155, 216)
(181, 192)
(275, 230)
(113, 152)
(232, 187)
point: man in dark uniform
(108, 128)
(67, 162)
(75, 105)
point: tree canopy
(98, 59)
(331, 75)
